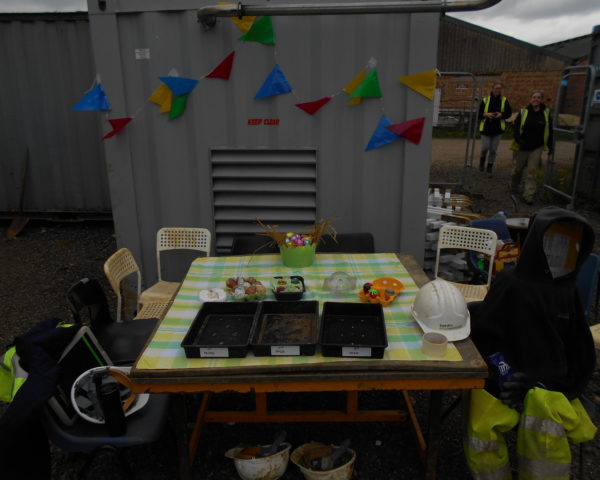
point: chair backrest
(88, 304)
(181, 238)
(347, 243)
(120, 265)
(247, 244)
(497, 225)
(467, 238)
(587, 281)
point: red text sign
(263, 121)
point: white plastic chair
(468, 238)
(174, 238)
(119, 266)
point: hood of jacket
(546, 236)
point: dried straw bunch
(317, 230)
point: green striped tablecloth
(404, 335)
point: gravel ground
(46, 258)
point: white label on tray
(285, 350)
(356, 351)
(212, 352)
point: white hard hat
(440, 307)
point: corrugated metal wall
(464, 47)
(47, 65)
(160, 169)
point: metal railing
(577, 133)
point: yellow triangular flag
(162, 96)
(355, 82)
(423, 83)
(243, 23)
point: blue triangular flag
(179, 85)
(381, 136)
(95, 99)
(275, 84)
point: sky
(539, 22)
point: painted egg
(239, 291)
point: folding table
(163, 366)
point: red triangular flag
(313, 107)
(223, 70)
(118, 124)
(411, 130)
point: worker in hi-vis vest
(493, 112)
(533, 135)
(532, 332)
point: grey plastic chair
(143, 427)
(347, 243)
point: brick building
(493, 57)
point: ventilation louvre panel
(278, 187)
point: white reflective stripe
(502, 473)
(543, 469)
(18, 370)
(542, 425)
(481, 445)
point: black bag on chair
(124, 341)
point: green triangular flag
(178, 106)
(369, 86)
(261, 31)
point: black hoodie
(536, 320)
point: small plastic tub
(292, 288)
(434, 344)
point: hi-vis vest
(548, 422)
(515, 146)
(486, 103)
(12, 376)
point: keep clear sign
(285, 350)
(214, 352)
(356, 351)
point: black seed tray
(353, 330)
(292, 326)
(220, 330)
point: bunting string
(173, 92)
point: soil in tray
(286, 328)
(352, 330)
(225, 330)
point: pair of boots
(489, 167)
